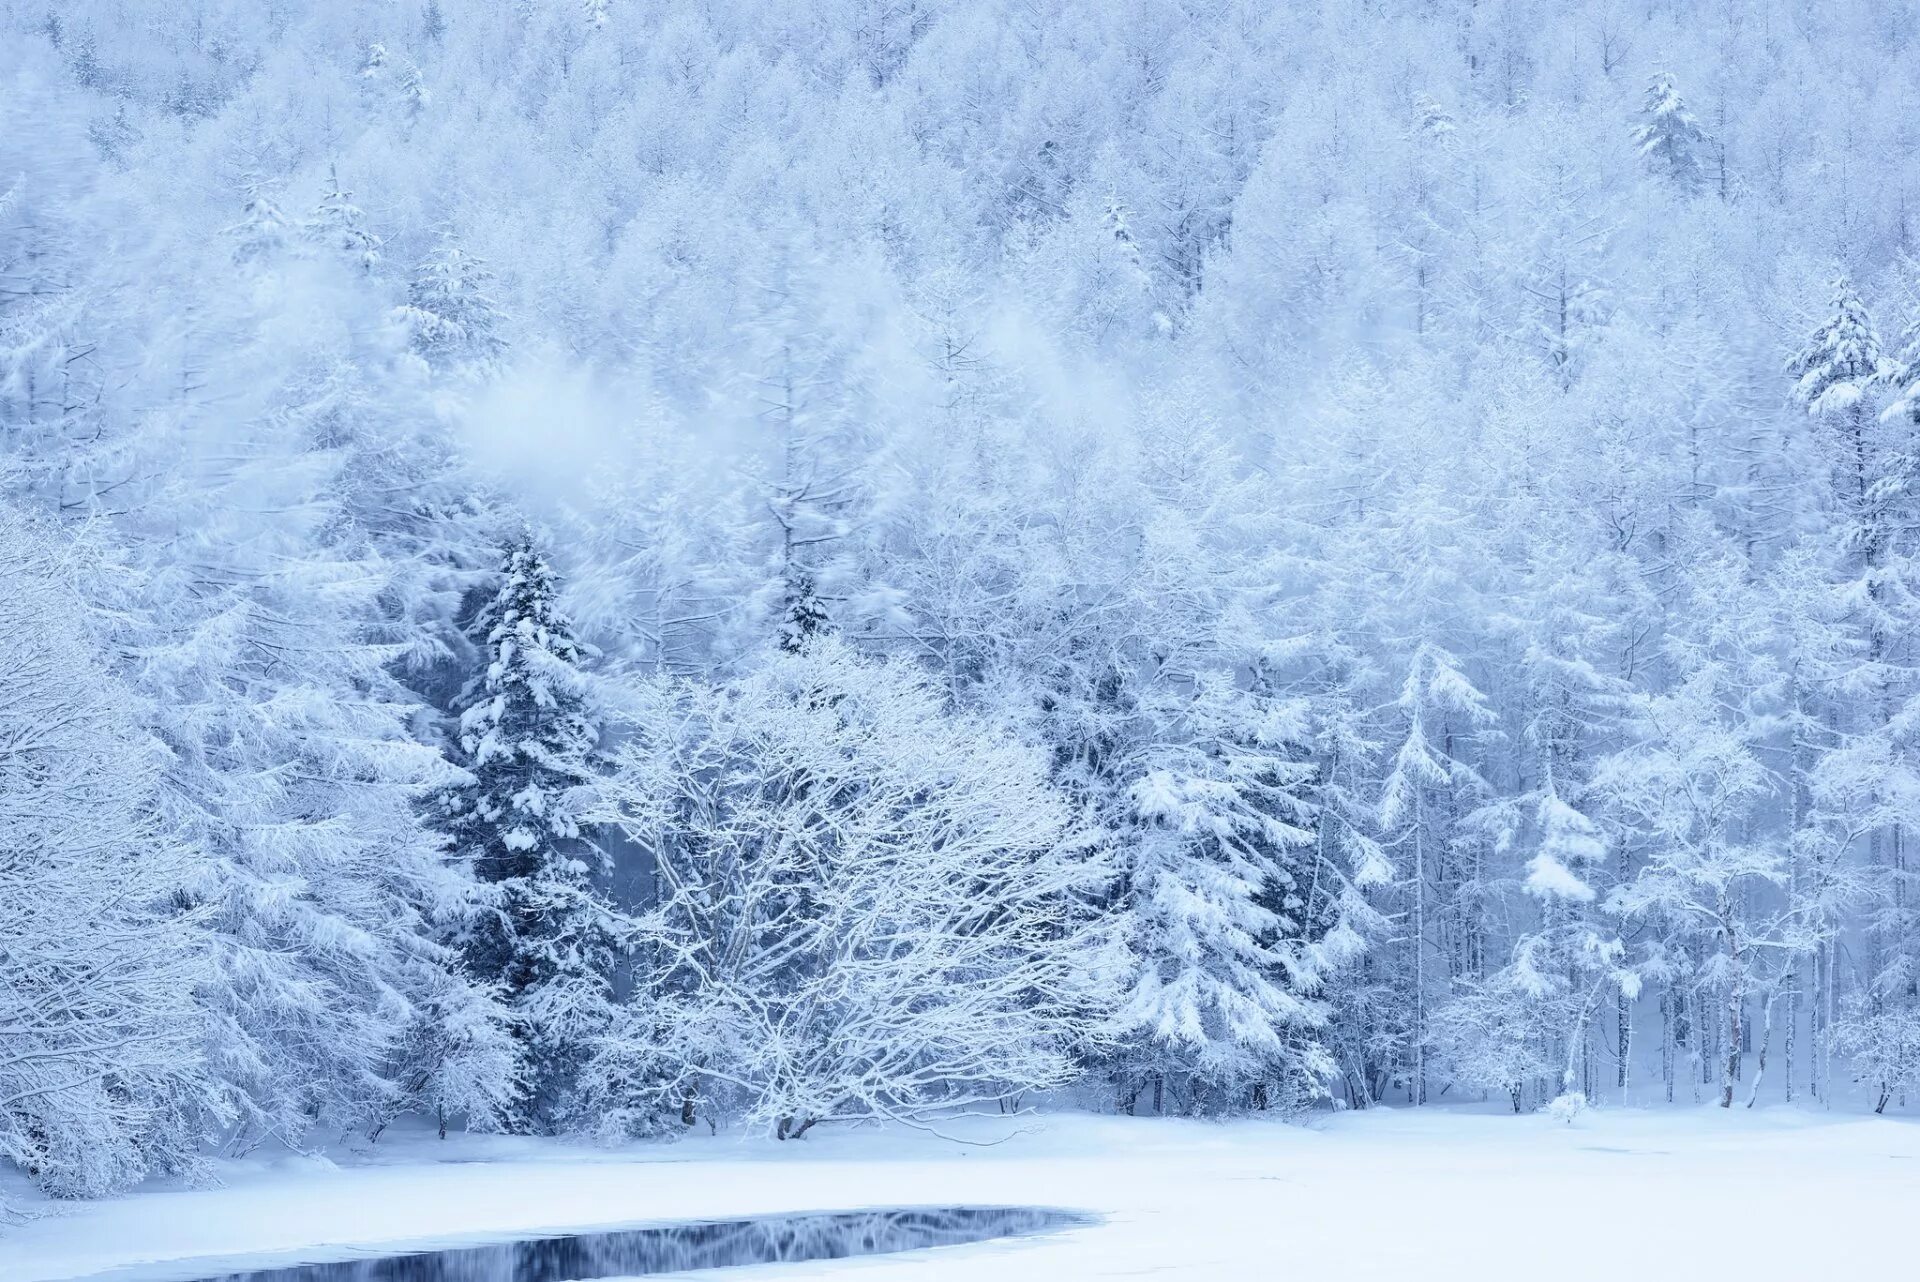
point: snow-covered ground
(1387, 1194)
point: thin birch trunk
(1766, 1040)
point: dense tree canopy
(1409, 506)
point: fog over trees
(602, 568)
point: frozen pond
(666, 1248)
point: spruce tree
(1837, 375)
(339, 225)
(1842, 361)
(1669, 137)
(1226, 927)
(803, 616)
(529, 740)
(450, 314)
(261, 233)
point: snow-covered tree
(103, 1078)
(1422, 797)
(1565, 285)
(263, 230)
(1669, 138)
(1090, 269)
(1504, 1033)
(1690, 789)
(1879, 1033)
(1837, 375)
(802, 616)
(1224, 915)
(338, 226)
(1903, 371)
(545, 935)
(804, 392)
(867, 906)
(451, 318)
(1171, 385)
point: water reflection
(677, 1248)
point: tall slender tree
(545, 935)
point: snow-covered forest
(608, 568)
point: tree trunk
(1793, 1025)
(1417, 1088)
(1705, 1038)
(1814, 1087)
(1820, 1051)
(1624, 1031)
(1766, 1040)
(1622, 1040)
(1736, 1003)
(1666, 1042)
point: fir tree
(1669, 137)
(339, 225)
(1435, 120)
(1224, 1003)
(803, 617)
(261, 233)
(411, 89)
(1837, 375)
(450, 313)
(529, 740)
(1839, 366)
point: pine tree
(243, 608)
(1567, 278)
(803, 617)
(528, 738)
(1669, 137)
(1225, 1002)
(1837, 369)
(1092, 270)
(295, 773)
(1838, 376)
(40, 353)
(339, 226)
(411, 89)
(450, 313)
(262, 231)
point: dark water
(674, 1248)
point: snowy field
(1386, 1194)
